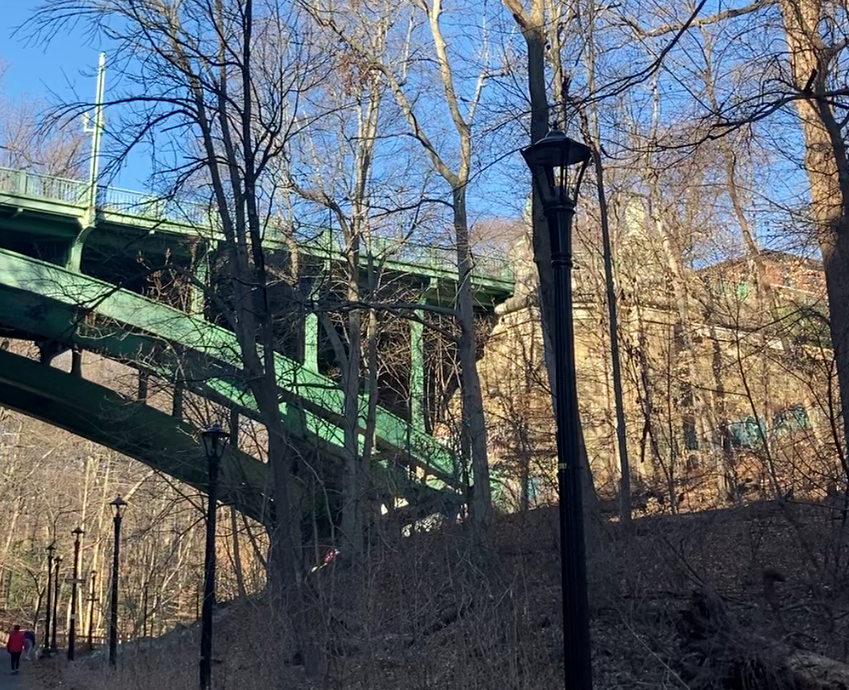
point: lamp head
(51, 549)
(118, 506)
(214, 439)
(557, 164)
(78, 532)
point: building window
(745, 433)
(790, 419)
(691, 439)
(534, 489)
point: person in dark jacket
(15, 645)
(29, 644)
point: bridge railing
(43, 186)
(192, 213)
(155, 208)
(404, 250)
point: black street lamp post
(144, 608)
(557, 164)
(92, 600)
(46, 650)
(214, 439)
(58, 562)
(118, 506)
(72, 628)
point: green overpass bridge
(74, 277)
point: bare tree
(343, 186)
(533, 24)
(456, 175)
(810, 77)
(29, 142)
(221, 82)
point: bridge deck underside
(43, 208)
(162, 442)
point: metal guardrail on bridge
(192, 214)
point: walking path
(7, 680)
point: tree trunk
(351, 524)
(532, 25)
(237, 555)
(625, 509)
(827, 168)
(370, 508)
(693, 401)
(474, 423)
(283, 559)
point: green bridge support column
(197, 289)
(417, 369)
(311, 324)
(311, 342)
(417, 390)
(75, 253)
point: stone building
(729, 396)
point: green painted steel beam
(417, 378)
(131, 428)
(140, 217)
(161, 442)
(49, 301)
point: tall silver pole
(95, 129)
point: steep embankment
(430, 612)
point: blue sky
(37, 69)
(63, 70)
(60, 70)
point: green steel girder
(56, 207)
(131, 428)
(72, 308)
(51, 302)
(162, 442)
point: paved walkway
(7, 680)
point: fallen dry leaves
(432, 611)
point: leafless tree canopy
(711, 283)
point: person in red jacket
(15, 646)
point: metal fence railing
(33, 184)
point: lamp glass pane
(118, 506)
(556, 162)
(208, 443)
